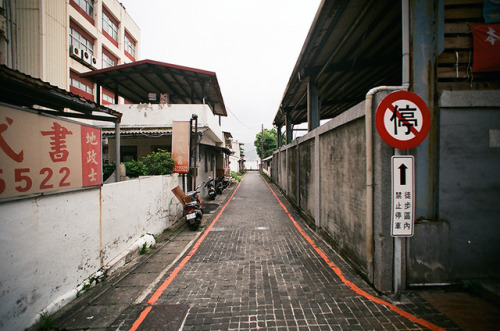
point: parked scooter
(211, 189)
(221, 184)
(192, 210)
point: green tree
(269, 143)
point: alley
(257, 269)
(255, 265)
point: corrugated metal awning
(23, 90)
(184, 85)
(149, 132)
(352, 46)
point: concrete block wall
(324, 174)
(51, 244)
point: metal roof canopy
(184, 85)
(23, 90)
(352, 46)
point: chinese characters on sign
(403, 120)
(40, 154)
(91, 156)
(403, 196)
(181, 132)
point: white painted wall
(51, 244)
(148, 115)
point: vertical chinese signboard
(181, 132)
(40, 154)
(403, 196)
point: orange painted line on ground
(181, 265)
(349, 284)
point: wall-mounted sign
(40, 154)
(403, 119)
(181, 133)
(403, 196)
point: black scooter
(210, 187)
(221, 184)
(192, 210)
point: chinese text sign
(403, 196)
(40, 154)
(181, 132)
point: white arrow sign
(403, 196)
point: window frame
(80, 39)
(129, 46)
(110, 26)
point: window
(108, 98)
(129, 45)
(78, 40)
(86, 5)
(128, 153)
(107, 61)
(109, 26)
(80, 85)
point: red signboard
(181, 132)
(486, 41)
(403, 120)
(40, 154)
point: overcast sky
(252, 46)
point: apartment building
(57, 41)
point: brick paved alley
(254, 269)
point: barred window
(109, 26)
(79, 41)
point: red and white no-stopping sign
(403, 119)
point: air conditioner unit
(86, 57)
(75, 52)
(94, 63)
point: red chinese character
(18, 157)
(58, 144)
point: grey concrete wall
(343, 194)
(341, 215)
(292, 173)
(463, 243)
(307, 199)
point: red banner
(181, 132)
(486, 47)
(91, 156)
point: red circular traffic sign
(403, 119)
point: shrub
(236, 175)
(159, 163)
(135, 168)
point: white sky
(252, 46)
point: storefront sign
(40, 154)
(181, 131)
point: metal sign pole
(397, 254)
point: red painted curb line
(349, 284)
(181, 265)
